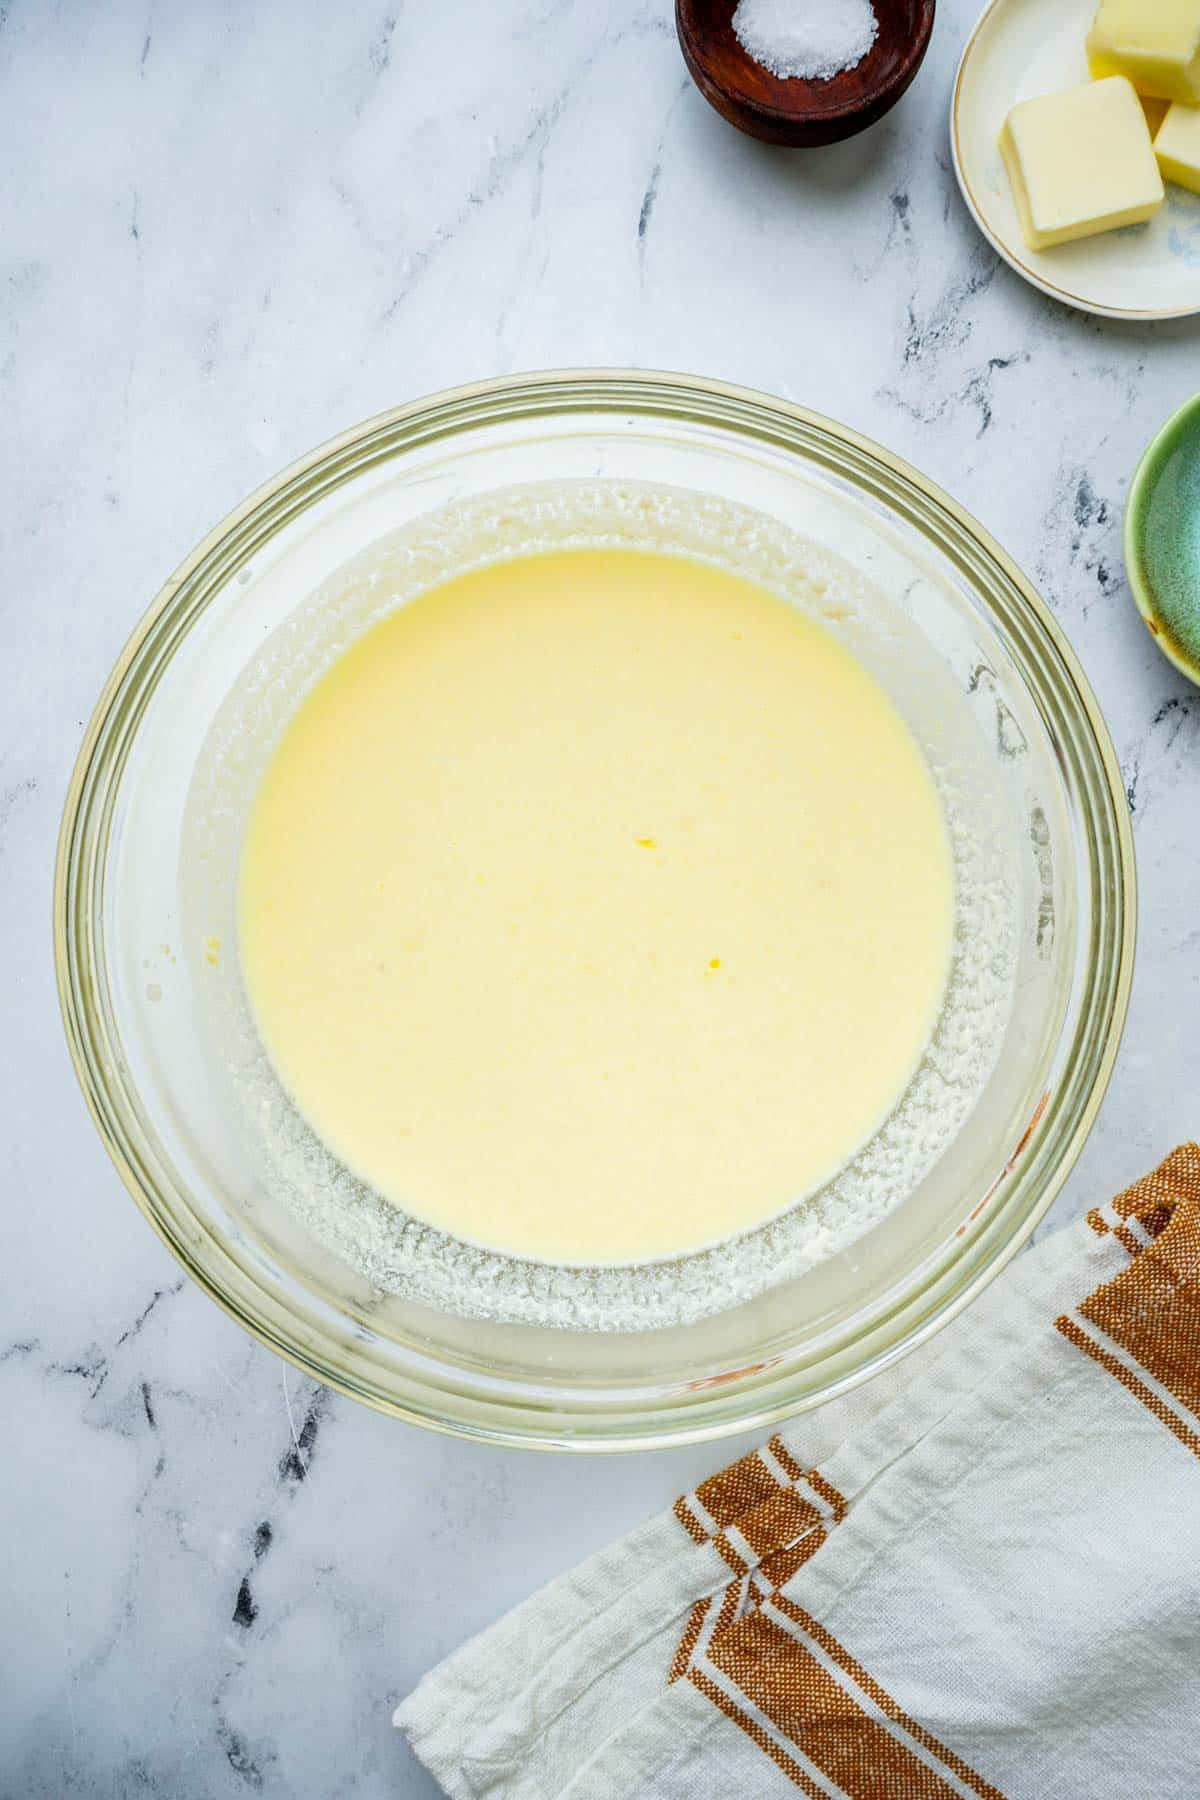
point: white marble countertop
(230, 231)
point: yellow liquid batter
(596, 905)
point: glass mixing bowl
(128, 992)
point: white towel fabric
(977, 1576)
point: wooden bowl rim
(799, 115)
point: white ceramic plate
(1021, 48)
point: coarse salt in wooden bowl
(792, 110)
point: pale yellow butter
(1155, 43)
(1177, 146)
(1081, 162)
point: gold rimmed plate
(1019, 49)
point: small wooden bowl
(799, 112)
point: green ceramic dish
(1162, 538)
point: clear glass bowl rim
(1038, 647)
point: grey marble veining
(230, 230)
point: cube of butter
(1177, 146)
(1080, 162)
(1156, 43)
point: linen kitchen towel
(978, 1576)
